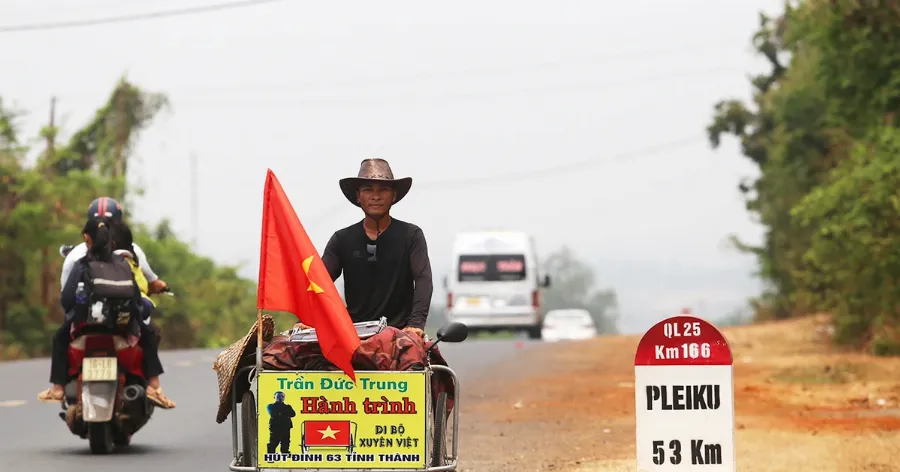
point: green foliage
(213, 306)
(822, 133)
(854, 246)
(42, 206)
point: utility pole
(46, 265)
(51, 137)
(122, 133)
(194, 201)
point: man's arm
(331, 257)
(67, 297)
(420, 266)
(145, 265)
(72, 257)
(66, 270)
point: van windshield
(491, 268)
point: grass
(817, 375)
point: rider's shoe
(51, 395)
(157, 396)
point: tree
(573, 286)
(823, 135)
(784, 135)
(42, 206)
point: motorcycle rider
(106, 207)
(384, 260)
(109, 211)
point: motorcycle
(105, 398)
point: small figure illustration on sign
(280, 424)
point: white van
(495, 281)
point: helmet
(105, 207)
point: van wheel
(534, 332)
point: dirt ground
(800, 405)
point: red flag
(326, 433)
(293, 278)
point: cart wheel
(249, 427)
(438, 431)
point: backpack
(139, 276)
(113, 295)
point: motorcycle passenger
(106, 207)
(384, 261)
(124, 244)
(99, 245)
(124, 247)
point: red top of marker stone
(683, 340)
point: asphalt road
(34, 439)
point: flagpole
(259, 340)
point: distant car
(568, 324)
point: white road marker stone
(684, 398)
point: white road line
(12, 403)
(184, 363)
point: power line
(690, 49)
(563, 168)
(459, 96)
(534, 173)
(133, 17)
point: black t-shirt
(394, 283)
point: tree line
(43, 205)
(821, 129)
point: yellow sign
(321, 420)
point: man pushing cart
(378, 392)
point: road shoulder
(800, 405)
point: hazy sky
(580, 122)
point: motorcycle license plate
(98, 369)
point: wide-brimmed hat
(374, 171)
(229, 360)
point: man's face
(279, 397)
(375, 199)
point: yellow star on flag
(312, 285)
(329, 433)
